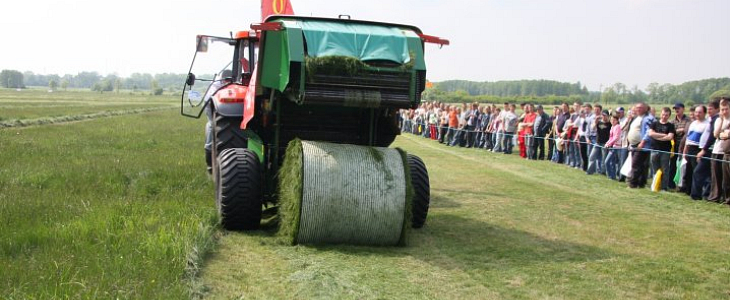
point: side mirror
(190, 80)
(202, 44)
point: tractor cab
(233, 60)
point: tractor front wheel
(238, 189)
(421, 189)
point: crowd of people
(685, 151)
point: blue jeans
(498, 141)
(507, 145)
(575, 160)
(595, 159)
(611, 162)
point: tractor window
(247, 59)
(212, 57)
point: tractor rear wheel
(421, 189)
(238, 189)
(227, 134)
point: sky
(596, 42)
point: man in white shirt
(692, 146)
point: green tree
(721, 93)
(11, 79)
(53, 84)
(117, 84)
(64, 84)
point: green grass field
(37, 105)
(121, 207)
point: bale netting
(344, 194)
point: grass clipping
(290, 192)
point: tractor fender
(228, 100)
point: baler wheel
(422, 190)
(239, 189)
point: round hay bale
(344, 194)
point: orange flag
(275, 7)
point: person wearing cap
(662, 133)
(681, 123)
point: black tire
(421, 191)
(227, 134)
(239, 189)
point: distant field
(121, 207)
(37, 104)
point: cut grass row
(20, 107)
(110, 208)
(502, 228)
(79, 117)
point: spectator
(563, 115)
(484, 135)
(471, 119)
(573, 148)
(582, 136)
(612, 145)
(509, 123)
(681, 124)
(692, 146)
(444, 124)
(639, 142)
(527, 125)
(662, 133)
(723, 136)
(716, 177)
(542, 127)
(701, 177)
(433, 118)
(602, 127)
(623, 145)
(453, 125)
(498, 128)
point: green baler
(329, 90)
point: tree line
(554, 92)
(94, 81)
